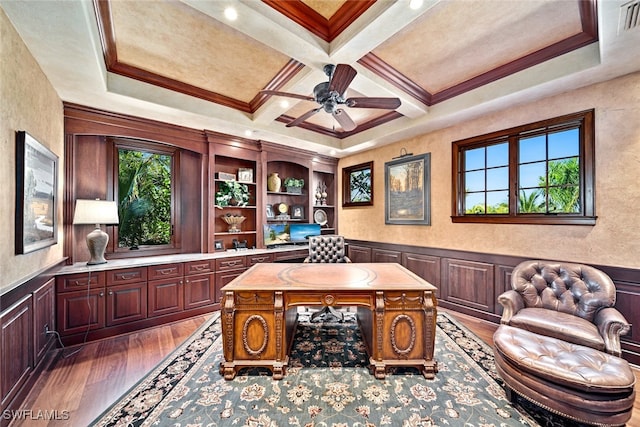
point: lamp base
(97, 243)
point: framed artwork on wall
(36, 195)
(357, 185)
(407, 190)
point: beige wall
(28, 102)
(614, 240)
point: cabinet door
(44, 300)
(165, 296)
(16, 349)
(126, 303)
(199, 290)
(80, 310)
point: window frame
(586, 124)
(136, 145)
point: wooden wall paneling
(468, 283)
(359, 253)
(16, 349)
(425, 266)
(380, 255)
(44, 316)
(503, 284)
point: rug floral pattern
(327, 384)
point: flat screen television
(286, 234)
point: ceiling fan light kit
(330, 95)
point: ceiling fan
(330, 95)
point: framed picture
(36, 195)
(407, 190)
(357, 185)
(219, 245)
(270, 212)
(245, 175)
(297, 212)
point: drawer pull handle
(199, 267)
(166, 271)
(125, 276)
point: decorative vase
(274, 182)
(234, 222)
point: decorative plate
(320, 217)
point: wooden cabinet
(126, 303)
(199, 284)
(228, 269)
(80, 302)
(16, 349)
(166, 294)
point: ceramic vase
(273, 182)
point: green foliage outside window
(144, 197)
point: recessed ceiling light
(415, 4)
(248, 132)
(284, 104)
(231, 14)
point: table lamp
(96, 212)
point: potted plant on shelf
(232, 193)
(294, 185)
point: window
(145, 196)
(541, 173)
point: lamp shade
(96, 212)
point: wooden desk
(396, 311)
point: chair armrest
(611, 324)
(511, 302)
(346, 259)
(307, 260)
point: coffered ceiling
(189, 62)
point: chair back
(575, 289)
(328, 248)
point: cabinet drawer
(164, 271)
(74, 282)
(230, 263)
(195, 267)
(299, 254)
(256, 259)
(127, 275)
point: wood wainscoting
(470, 282)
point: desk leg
(278, 313)
(227, 368)
(377, 364)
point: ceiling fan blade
(383, 103)
(303, 117)
(342, 77)
(290, 95)
(345, 121)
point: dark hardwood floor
(87, 382)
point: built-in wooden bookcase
(324, 207)
(233, 159)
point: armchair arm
(512, 302)
(611, 324)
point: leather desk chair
(328, 249)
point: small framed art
(245, 175)
(219, 245)
(270, 213)
(297, 212)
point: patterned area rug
(327, 384)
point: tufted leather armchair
(570, 302)
(328, 249)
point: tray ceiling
(466, 52)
